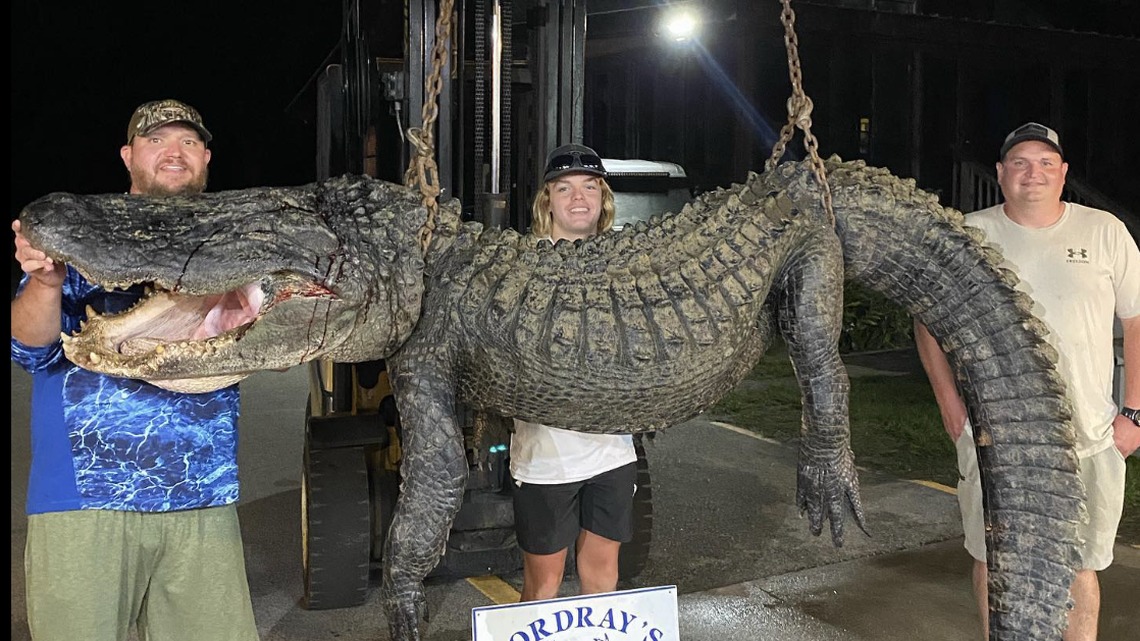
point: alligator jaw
(155, 339)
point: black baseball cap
(1031, 131)
(573, 159)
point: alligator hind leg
(810, 315)
(433, 477)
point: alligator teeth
(141, 345)
(90, 312)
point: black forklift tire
(634, 555)
(336, 533)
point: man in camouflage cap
(166, 151)
(152, 115)
(132, 500)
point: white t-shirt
(1081, 272)
(548, 455)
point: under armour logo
(1079, 253)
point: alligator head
(334, 266)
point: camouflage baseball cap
(152, 115)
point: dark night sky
(80, 68)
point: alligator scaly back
(899, 241)
(600, 328)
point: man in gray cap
(132, 497)
(1082, 269)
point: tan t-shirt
(1082, 272)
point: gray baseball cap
(573, 159)
(152, 115)
(1031, 131)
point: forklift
(509, 87)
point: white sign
(646, 614)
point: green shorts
(177, 576)
(1103, 477)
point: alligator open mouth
(160, 337)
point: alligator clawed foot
(405, 611)
(828, 491)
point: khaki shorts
(1103, 477)
(178, 576)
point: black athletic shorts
(549, 517)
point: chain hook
(799, 112)
(423, 170)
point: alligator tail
(899, 241)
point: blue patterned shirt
(107, 443)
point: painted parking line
(938, 486)
(495, 589)
(740, 430)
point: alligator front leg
(433, 477)
(810, 315)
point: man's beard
(146, 184)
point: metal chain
(799, 111)
(423, 170)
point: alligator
(630, 331)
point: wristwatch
(1131, 414)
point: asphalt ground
(725, 532)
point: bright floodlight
(681, 25)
